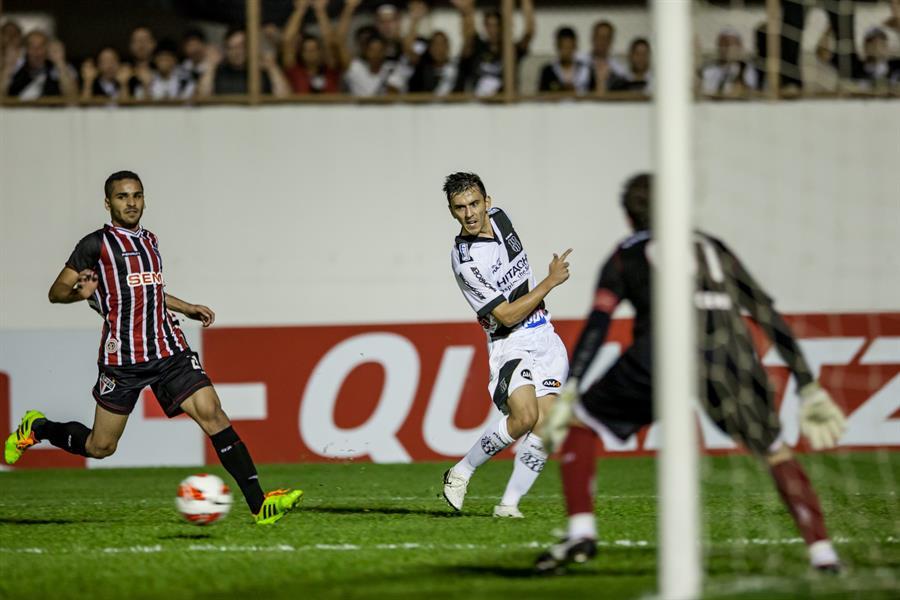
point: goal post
(675, 371)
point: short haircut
(166, 45)
(638, 42)
(457, 183)
(494, 14)
(566, 33)
(637, 201)
(120, 176)
(604, 23)
(139, 27)
(194, 33)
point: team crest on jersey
(514, 243)
(107, 384)
(112, 346)
(464, 255)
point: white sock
(822, 553)
(582, 525)
(529, 462)
(494, 439)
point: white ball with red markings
(203, 499)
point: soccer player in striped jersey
(528, 361)
(735, 390)
(118, 270)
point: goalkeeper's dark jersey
(724, 287)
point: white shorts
(530, 357)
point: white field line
(221, 548)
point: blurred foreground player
(118, 270)
(528, 361)
(735, 389)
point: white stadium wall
(321, 238)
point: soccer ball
(203, 499)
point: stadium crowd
(313, 54)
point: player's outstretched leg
(204, 407)
(578, 467)
(35, 427)
(456, 480)
(802, 502)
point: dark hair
(494, 14)
(166, 45)
(636, 199)
(194, 33)
(564, 33)
(603, 23)
(457, 183)
(375, 37)
(637, 42)
(119, 176)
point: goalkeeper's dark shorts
(739, 402)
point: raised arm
(513, 313)
(417, 11)
(528, 15)
(467, 13)
(88, 77)
(343, 32)
(320, 7)
(206, 85)
(280, 85)
(292, 33)
(56, 52)
(198, 312)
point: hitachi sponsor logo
(518, 268)
(144, 278)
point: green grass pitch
(382, 531)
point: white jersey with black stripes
(493, 270)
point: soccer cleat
(22, 438)
(454, 489)
(565, 552)
(277, 504)
(508, 512)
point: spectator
(229, 76)
(880, 69)
(387, 22)
(12, 55)
(568, 73)
(44, 72)
(483, 57)
(193, 47)
(604, 63)
(433, 69)
(368, 76)
(141, 45)
(637, 77)
(312, 70)
(729, 74)
(108, 78)
(170, 81)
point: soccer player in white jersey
(528, 361)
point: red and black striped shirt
(130, 295)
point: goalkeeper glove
(821, 421)
(556, 426)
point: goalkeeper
(736, 392)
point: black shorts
(622, 400)
(172, 380)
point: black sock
(70, 436)
(236, 460)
